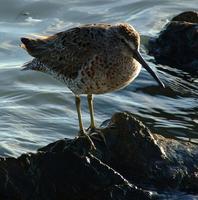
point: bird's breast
(99, 78)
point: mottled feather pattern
(90, 59)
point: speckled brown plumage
(95, 56)
(90, 59)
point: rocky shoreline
(130, 157)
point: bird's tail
(30, 65)
(35, 65)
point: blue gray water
(35, 109)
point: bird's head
(131, 38)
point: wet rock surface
(127, 155)
(177, 44)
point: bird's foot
(91, 130)
(84, 134)
(95, 132)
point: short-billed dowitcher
(90, 59)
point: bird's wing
(67, 51)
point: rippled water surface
(35, 109)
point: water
(35, 109)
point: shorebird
(89, 59)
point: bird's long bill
(141, 60)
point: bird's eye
(122, 40)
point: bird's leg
(82, 131)
(77, 98)
(91, 111)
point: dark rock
(63, 175)
(177, 44)
(189, 16)
(68, 169)
(145, 158)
